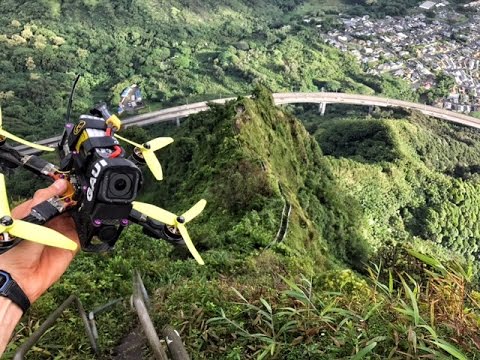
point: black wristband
(11, 290)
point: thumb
(56, 189)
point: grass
(307, 314)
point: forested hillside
(177, 52)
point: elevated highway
(178, 112)
(367, 100)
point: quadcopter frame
(93, 163)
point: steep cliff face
(372, 187)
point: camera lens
(120, 184)
(107, 233)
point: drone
(103, 183)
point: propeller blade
(129, 141)
(155, 212)
(195, 210)
(153, 163)
(41, 235)
(4, 208)
(148, 153)
(189, 243)
(158, 143)
(24, 142)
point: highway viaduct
(322, 98)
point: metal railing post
(138, 303)
(175, 344)
(47, 324)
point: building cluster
(417, 48)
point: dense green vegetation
(352, 206)
(176, 51)
(444, 83)
(416, 178)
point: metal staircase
(170, 346)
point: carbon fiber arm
(155, 228)
(39, 215)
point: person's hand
(35, 267)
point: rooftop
(427, 5)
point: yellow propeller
(147, 151)
(178, 222)
(7, 135)
(27, 231)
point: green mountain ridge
(396, 174)
(246, 157)
(393, 168)
(348, 208)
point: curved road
(178, 112)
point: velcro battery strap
(99, 142)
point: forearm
(10, 315)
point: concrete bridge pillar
(321, 108)
(177, 121)
(370, 109)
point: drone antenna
(70, 100)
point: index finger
(56, 189)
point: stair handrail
(140, 303)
